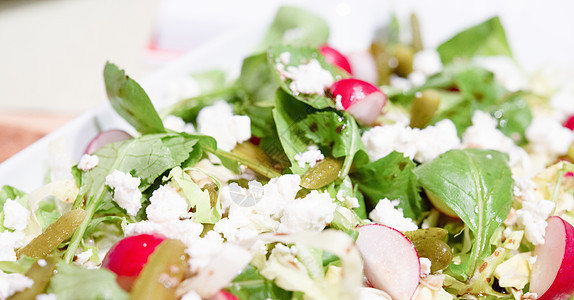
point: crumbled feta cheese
(561, 103)
(15, 215)
(236, 229)
(524, 189)
(505, 70)
(126, 192)
(532, 260)
(483, 134)
(10, 241)
(191, 295)
(529, 296)
(277, 193)
(400, 82)
(308, 78)
(202, 250)
(13, 283)
(427, 61)
(219, 122)
(348, 201)
(311, 156)
(42, 262)
(285, 58)
(425, 266)
(183, 230)
(83, 257)
(177, 124)
(548, 136)
(311, 213)
(421, 145)
(88, 162)
(339, 103)
(387, 214)
(166, 204)
(46, 297)
(532, 216)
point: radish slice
(391, 262)
(553, 272)
(128, 257)
(569, 123)
(334, 57)
(224, 295)
(361, 99)
(106, 137)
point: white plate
(352, 26)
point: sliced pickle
(436, 233)
(54, 235)
(41, 272)
(321, 174)
(423, 108)
(163, 272)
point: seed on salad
(54, 235)
(423, 108)
(41, 272)
(322, 173)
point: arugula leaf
(485, 39)
(258, 81)
(296, 26)
(513, 116)
(299, 56)
(9, 192)
(391, 177)
(477, 185)
(71, 281)
(250, 284)
(130, 101)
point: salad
(400, 172)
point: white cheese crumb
(13, 283)
(177, 124)
(505, 70)
(46, 297)
(312, 156)
(219, 122)
(42, 262)
(126, 192)
(166, 205)
(547, 135)
(348, 201)
(532, 216)
(10, 241)
(421, 145)
(561, 103)
(311, 213)
(308, 78)
(529, 296)
(191, 295)
(183, 230)
(15, 215)
(202, 250)
(84, 257)
(524, 189)
(339, 103)
(532, 260)
(427, 62)
(425, 266)
(88, 162)
(387, 214)
(285, 58)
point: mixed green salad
(399, 172)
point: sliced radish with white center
(334, 57)
(106, 137)
(361, 99)
(391, 262)
(553, 272)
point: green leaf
(47, 212)
(9, 192)
(258, 81)
(71, 281)
(250, 284)
(210, 81)
(298, 27)
(130, 101)
(391, 177)
(299, 56)
(513, 116)
(485, 39)
(477, 185)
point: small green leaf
(130, 101)
(485, 39)
(297, 27)
(71, 281)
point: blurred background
(52, 52)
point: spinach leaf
(296, 26)
(391, 177)
(250, 284)
(257, 80)
(299, 56)
(130, 101)
(485, 39)
(71, 281)
(477, 185)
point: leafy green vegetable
(69, 282)
(47, 212)
(9, 192)
(297, 27)
(250, 284)
(485, 39)
(513, 116)
(210, 81)
(130, 101)
(299, 56)
(258, 81)
(391, 177)
(477, 185)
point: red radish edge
(106, 137)
(361, 99)
(391, 262)
(553, 272)
(224, 295)
(128, 257)
(335, 57)
(569, 123)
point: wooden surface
(19, 129)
